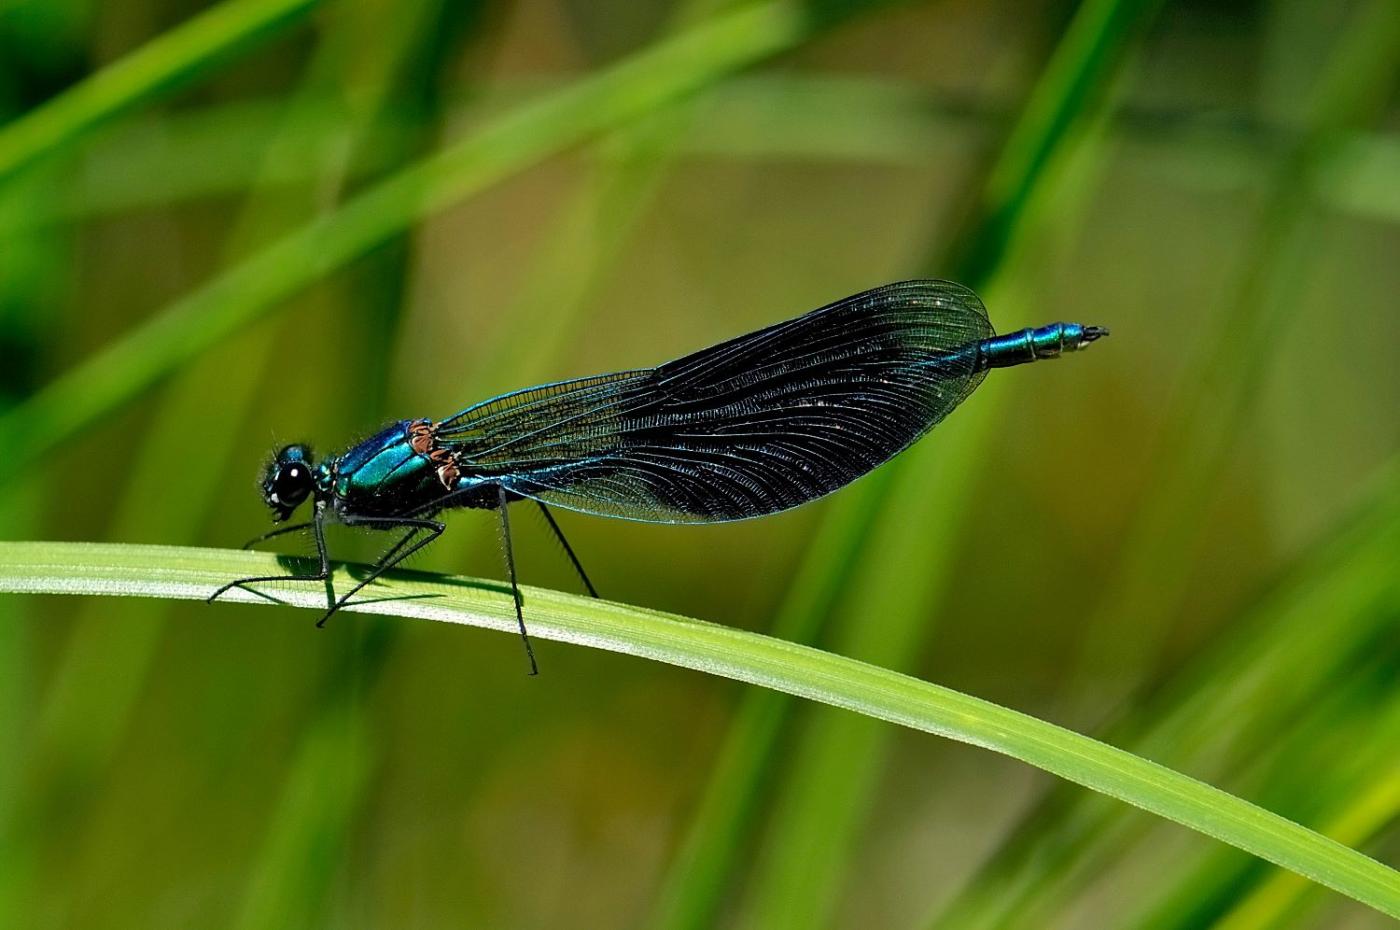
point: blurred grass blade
(1077, 76)
(1335, 767)
(205, 152)
(156, 68)
(637, 86)
(898, 576)
(1228, 364)
(154, 504)
(908, 561)
(729, 808)
(1201, 427)
(586, 237)
(312, 824)
(185, 573)
(104, 666)
(1369, 813)
(1304, 634)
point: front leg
(272, 534)
(396, 553)
(322, 574)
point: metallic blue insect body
(749, 427)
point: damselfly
(749, 427)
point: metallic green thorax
(383, 474)
(1029, 345)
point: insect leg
(280, 531)
(319, 531)
(390, 558)
(515, 585)
(568, 549)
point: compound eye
(292, 483)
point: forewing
(751, 426)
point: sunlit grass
(149, 571)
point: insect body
(752, 426)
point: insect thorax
(398, 471)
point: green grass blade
(1334, 769)
(837, 764)
(729, 808)
(156, 68)
(205, 152)
(1305, 633)
(186, 573)
(1370, 812)
(637, 86)
(103, 668)
(1076, 77)
(1203, 424)
(588, 234)
(312, 824)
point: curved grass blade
(1258, 679)
(187, 573)
(1283, 894)
(1334, 770)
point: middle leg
(503, 503)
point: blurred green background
(1184, 541)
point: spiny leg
(514, 585)
(390, 558)
(568, 549)
(322, 574)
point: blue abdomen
(1029, 345)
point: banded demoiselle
(752, 426)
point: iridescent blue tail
(1030, 345)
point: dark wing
(751, 426)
